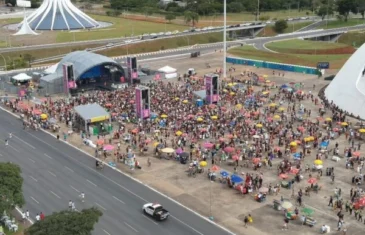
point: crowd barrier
(273, 66)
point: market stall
(92, 117)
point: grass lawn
(10, 21)
(288, 45)
(355, 39)
(269, 31)
(3, 44)
(250, 52)
(341, 23)
(121, 27)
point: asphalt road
(55, 173)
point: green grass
(355, 39)
(341, 23)
(10, 21)
(298, 44)
(250, 52)
(121, 28)
(3, 44)
(269, 31)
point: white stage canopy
(168, 71)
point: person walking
(359, 216)
(10, 135)
(82, 196)
(6, 142)
(70, 205)
(330, 202)
(41, 216)
(37, 217)
(27, 214)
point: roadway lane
(55, 173)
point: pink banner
(138, 102)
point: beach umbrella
(214, 117)
(272, 105)
(238, 106)
(307, 211)
(228, 149)
(100, 142)
(108, 147)
(362, 130)
(281, 109)
(283, 176)
(155, 144)
(199, 119)
(44, 116)
(232, 93)
(230, 84)
(185, 101)
(259, 125)
(163, 116)
(263, 190)
(135, 131)
(37, 112)
(293, 144)
(235, 157)
(256, 160)
(265, 92)
(178, 133)
(286, 205)
(214, 168)
(131, 101)
(328, 119)
(356, 154)
(177, 98)
(276, 117)
(344, 124)
(256, 136)
(318, 162)
(294, 171)
(179, 151)
(167, 150)
(312, 180)
(147, 141)
(224, 173)
(203, 163)
(267, 81)
(236, 179)
(265, 76)
(296, 155)
(208, 145)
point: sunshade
(286, 205)
(236, 179)
(167, 150)
(203, 163)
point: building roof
(83, 61)
(60, 15)
(347, 90)
(202, 94)
(92, 112)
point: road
(55, 173)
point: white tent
(25, 29)
(21, 77)
(51, 69)
(168, 71)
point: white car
(168, 33)
(185, 31)
(156, 211)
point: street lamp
(4, 61)
(224, 38)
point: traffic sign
(323, 65)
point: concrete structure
(347, 90)
(60, 15)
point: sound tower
(212, 88)
(143, 102)
(69, 79)
(132, 69)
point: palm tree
(192, 17)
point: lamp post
(4, 61)
(258, 10)
(224, 38)
(328, 2)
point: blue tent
(284, 86)
(325, 144)
(236, 179)
(296, 155)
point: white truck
(156, 211)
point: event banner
(138, 102)
(208, 89)
(65, 79)
(146, 113)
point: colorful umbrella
(44, 116)
(167, 150)
(328, 119)
(108, 147)
(163, 116)
(344, 124)
(259, 125)
(318, 162)
(178, 133)
(208, 145)
(235, 158)
(236, 179)
(203, 163)
(224, 173)
(283, 176)
(199, 119)
(272, 105)
(214, 168)
(179, 151)
(185, 101)
(307, 211)
(293, 144)
(356, 154)
(312, 181)
(100, 142)
(214, 117)
(362, 130)
(286, 205)
(229, 149)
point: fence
(6, 87)
(273, 66)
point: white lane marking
(106, 232)
(33, 178)
(118, 200)
(34, 200)
(31, 160)
(100, 206)
(150, 220)
(69, 169)
(25, 142)
(74, 188)
(52, 173)
(13, 148)
(130, 177)
(48, 156)
(55, 194)
(91, 183)
(131, 227)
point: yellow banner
(99, 119)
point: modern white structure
(347, 90)
(60, 15)
(25, 29)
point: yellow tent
(214, 117)
(272, 105)
(178, 133)
(44, 116)
(276, 117)
(293, 144)
(163, 116)
(344, 124)
(185, 101)
(362, 130)
(259, 125)
(199, 119)
(318, 162)
(177, 98)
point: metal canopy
(92, 112)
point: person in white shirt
(23, 217)
(73, 208)
(27, 214)
(82, 196)
(70, 205)
(38, 217)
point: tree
(147, 11)
(191, 17)
(361, 7)
(66, 223)
(344, 7)
(170, 17)
(10, 2)
(236, 7)
(11, 193)
(29, 58)
(280, 26)
(323, 10)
